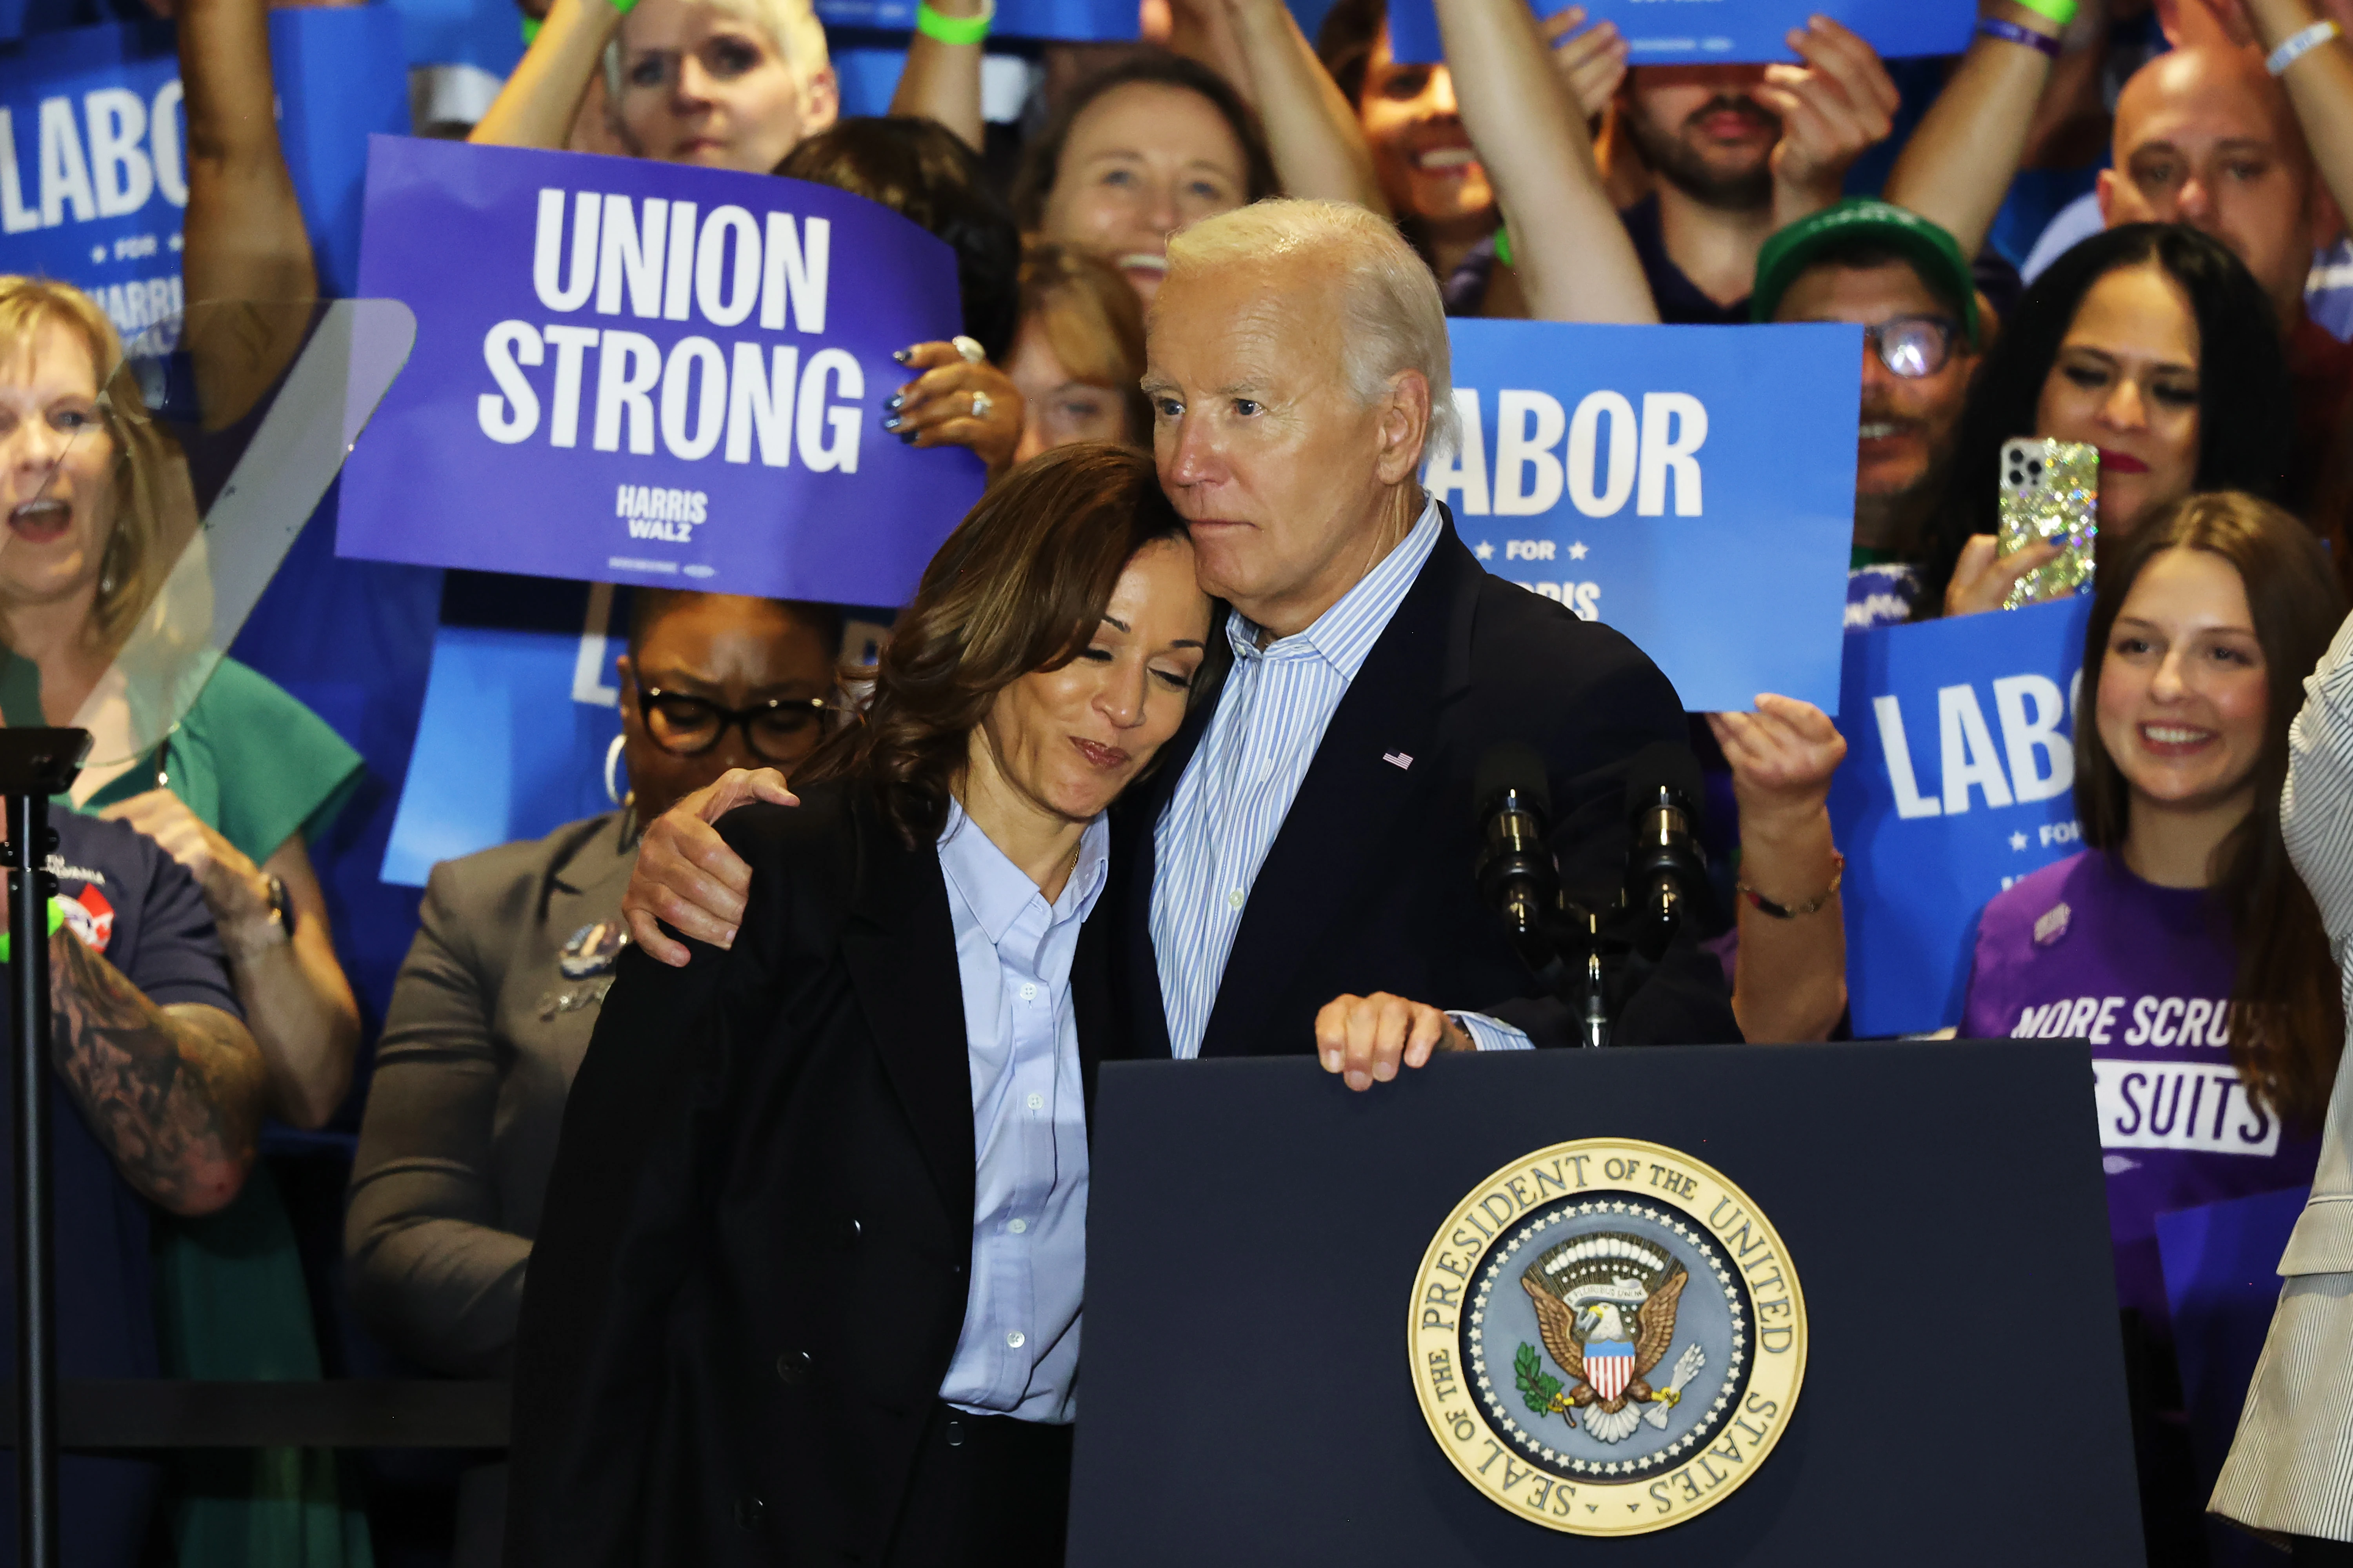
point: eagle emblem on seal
(1606, 1312)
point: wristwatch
(281, 908)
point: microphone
(1665, 870)
(1518, 877)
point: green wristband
(530, 25)
(1503, 244)
(57, 918)
(949, 29)
(2060, 12)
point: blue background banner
(1074, 21)
(93, 168)
(647, 372)
(1634, 474)
(1727, 32)
(1957, 781)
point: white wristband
(2299, 43)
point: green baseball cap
(1859, 221)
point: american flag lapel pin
(1398, 760)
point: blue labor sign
(1958, 779)
(649, 374)
(93, 152)
(1692, 486)
(1726, 32)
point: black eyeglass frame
(729, 719)
(1948, 333)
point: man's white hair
(1394, 319)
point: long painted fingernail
(890, 422)
(902, 356)
(895, 401)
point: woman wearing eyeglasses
(498, 996)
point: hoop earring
(612, 772)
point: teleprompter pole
(33, 765)
(37, 1360)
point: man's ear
(2105, 189)
(1405, 427)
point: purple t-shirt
(2086, 949)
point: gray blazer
(489, 1020)
(2291, 1468)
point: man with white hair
(1296, 874)
(1301, 862)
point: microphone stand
(33, 765)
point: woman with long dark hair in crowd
(2152, 343)
(889, 1063)
(2180, 942)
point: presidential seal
(1607, 1336)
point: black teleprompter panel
(1253, 1230)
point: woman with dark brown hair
(807, 1284)
(2181, 943)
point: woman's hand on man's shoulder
(686, 875)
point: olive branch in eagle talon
(1539, 1390)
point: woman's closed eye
(1175, 679)
(2174, 395)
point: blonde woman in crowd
(728, 84)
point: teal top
(291, 774)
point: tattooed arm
(175, 1093)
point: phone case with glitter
(2050, 492)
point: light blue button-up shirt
(1224, 816)
(1018, 1354)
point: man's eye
(2155, 174)
(1167, 408)
(1246, 406)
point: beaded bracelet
(1791, 912)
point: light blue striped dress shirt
(1018, 1353)
(1227, 810)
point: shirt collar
(1344, 635)
(997, 891)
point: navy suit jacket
(1369, 884)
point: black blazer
(1369, 885)
(750, 1277)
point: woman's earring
(612, 770)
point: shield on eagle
(1609, 1367)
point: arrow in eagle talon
(1687, 1366)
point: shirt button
(1037, 1102)
(1028, 992)
(1018, 1227)
(1017, 1338)
(1234, 898)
